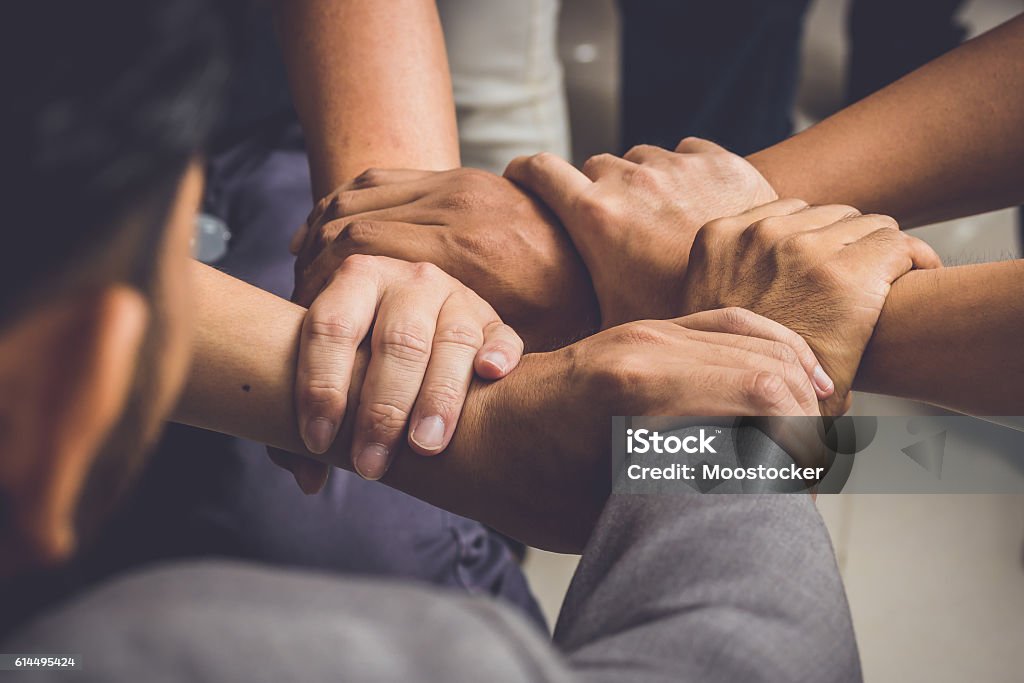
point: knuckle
(884, 222)
(361, 233)
(765, 230)
(460, 198)
(360, 263)
(640, 334)
(384, 417)
(596, 161)
(736, 320)
(462, 335)
(331, 329)
(339, 204)
(443, 395)
(371, 177)
(785, 353)
(407, 342)
(539, 161)
(705, 239)
(764, 390)
(848, 211)
(323, 392)
(428, 272)
(644, 177)
(800, 243)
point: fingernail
(428, 433)
(318, 434)
(372, 462)
(499, 359)
(822, 380)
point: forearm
(498, 469)
(371, 85)
(945, 141)
(952, 337)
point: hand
(430, 334)
(822, 271)
(553, 471)
(479, 228)
(633, 219)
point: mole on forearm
(246, 388)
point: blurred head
(106, 109)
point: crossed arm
(945, 141)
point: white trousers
(509, 91)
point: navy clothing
(208, 495)
(725, 70)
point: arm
(531, 453)
(371, 85)
(945, 141)
(966, 324)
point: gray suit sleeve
(672, 588)
(709, 588)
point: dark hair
(105, 103)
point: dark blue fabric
(726, 70)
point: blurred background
(935, 582)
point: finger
(402, 241)
(457, 340)
(740, 321)
(501, 352)
(555, 181)
(779, 207)
(400, 351)
(854, 227)
(333, 328)
(747, 392)
(645, 154)
(758, 355)
(298, 239)
(601, 165)
(808, 221)
(893, 253)
(693, 145)
(375, 198)
(375, 177)
(310, 475)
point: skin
(364, 102)
(73, 405)
(824, 271)
(366, 98)
(943, 142)
(531, 455)
(948, 166)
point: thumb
(554, 181)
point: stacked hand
(633, 219)
(824, 271)
(546, 425)
(475, 226)
(430, 333)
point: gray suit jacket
(671, 588)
